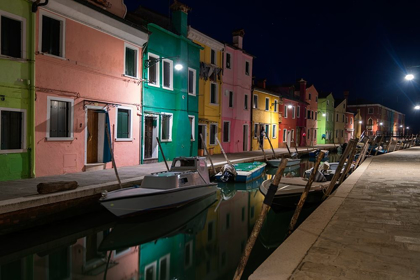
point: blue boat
(315, 153)
(246, 172)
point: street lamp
(417, 107)
(360, 122)
(289, 106)
(153, 61)
(409, 77)
(381, 123)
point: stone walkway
(368, 229)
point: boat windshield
(184, 163)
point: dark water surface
(203, 240)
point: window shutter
(123, 123)
(130, 62)
(167, 74)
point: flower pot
(200, 152)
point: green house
(170, 94)
(325, 133)
(17, 93)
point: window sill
(53, 56)
(214, 104)
(169, 140)
(131, 77)
(171, 89)
(59, 139)
(124, 139)
(17, 151)
(153, 85)
(192, 94)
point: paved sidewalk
(368, 229)
(22, 194)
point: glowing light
(417, 107)
(360, 121)
(381, 123)
(408, 127)
(178, 66)
(409, 77)
(400, 125)
(289, 106)
(323, 114)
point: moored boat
(186, 181)
(275, 162)
(246, 172)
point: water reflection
(203, 240)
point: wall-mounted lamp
(417, 107)
(153, 61)
(323, 114)
(401, 126)
(289, 106)
(360, 122)
(381, 123)
(408, 127)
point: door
(92, 137)
(245, 138)
(201, 131)
(148, 137)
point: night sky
(365, 47)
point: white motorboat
(186, 181)
(275, 162)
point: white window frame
(255, 104)
(23, 142)
(328, 116)
(274, 134)
(215, 142)
(137, 59)
(192, 127)
(130, 138)
(223, 136)
(216, 94)
(293, 112)
(298, 112)
(151, 55)
(53, 98)
(276, 103)
(285, 111)
(170, 126)
(256, 132)
(194, 83)
(284, 135)
(373, 110)
(23, 33)
(62, 34)
(154, 265)
(122, 253)
(328, 102)
(267, 104)
(168, 262)
(171, 74)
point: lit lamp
(323, 114)
(289, 106)
(381, 123)
(408, 127)
(409, 77)
(401, 126)
(417, 107)
(153, 61)
(360, 122)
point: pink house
(311, 97)
(237, 78)
(87, 79)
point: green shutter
(123, 123)
(130, 62)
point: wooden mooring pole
(207, 153)
(223, 151)
(258, 224)
(272, 149)
(261, 144)
(112, 154)
(305, 193)
(362, 152)
(163, 155)
(379, 144)
(349, 162)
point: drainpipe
(31, 86)
(36, 4)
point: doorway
(202, 130)
(150, 134)
(95, 136)
(245, 138)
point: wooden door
(148, 137)
(245, 138)
(92, 137)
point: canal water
(203, 240)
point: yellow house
(265, 115)
(209, 90)
(339, 120)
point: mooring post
(262, 148)
(258, 224)
(223, 151)
(287, 146)
(364, 150)
(349, 162)
(338, 170)
(112, 154)
(207, 153)
(379, 144)
(305, 193)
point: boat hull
(243, 176)
(276, 162)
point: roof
(324, 94)
(144, 16)
(337, 101)
(266, 91)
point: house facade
(86, 104)
(325, 120)
(209, 94)
(349, 127)
(17, 94)
(339, 120)
(237, 78)
(170, 92)
(311, 97)
(290, 111)
(265, 116)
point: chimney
(302, 83)
(238, 37)
(180, 17)
(346, 95)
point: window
(13, 35)
(150, 271)
(246, 102)
(166, 133)
(342, 133)
(60, 118)
(130, 61)
(293, 112)
(306, 110)
(213, 93)
(13, 130)
(267, 130)
(213, 57)
(167, 74)
(328, 102)
(312, 115)
(255, 101)
(351, 120)
(228, 61)
(230, 99)
(309, 114)
(316, 115)
(192, 81)
(275, 105)
(315, 134)
(309, 134)
(309, 96)
(370, 110)
(292, 135)
(124, 127)
(52, 34)
(316, 99)
(164, 263)
(153, 70)
(226, 131)
(298, 111)
(347, 119)
(188, 256)
(328, 116)
(274, 131)
(210, 229)
(247, 68)
(344, 106)
(255, 130)
(343, 117)
(285, 112)
(336, 117)
(213, 133)
(267, 103)
(284, 135)
(192, 125)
